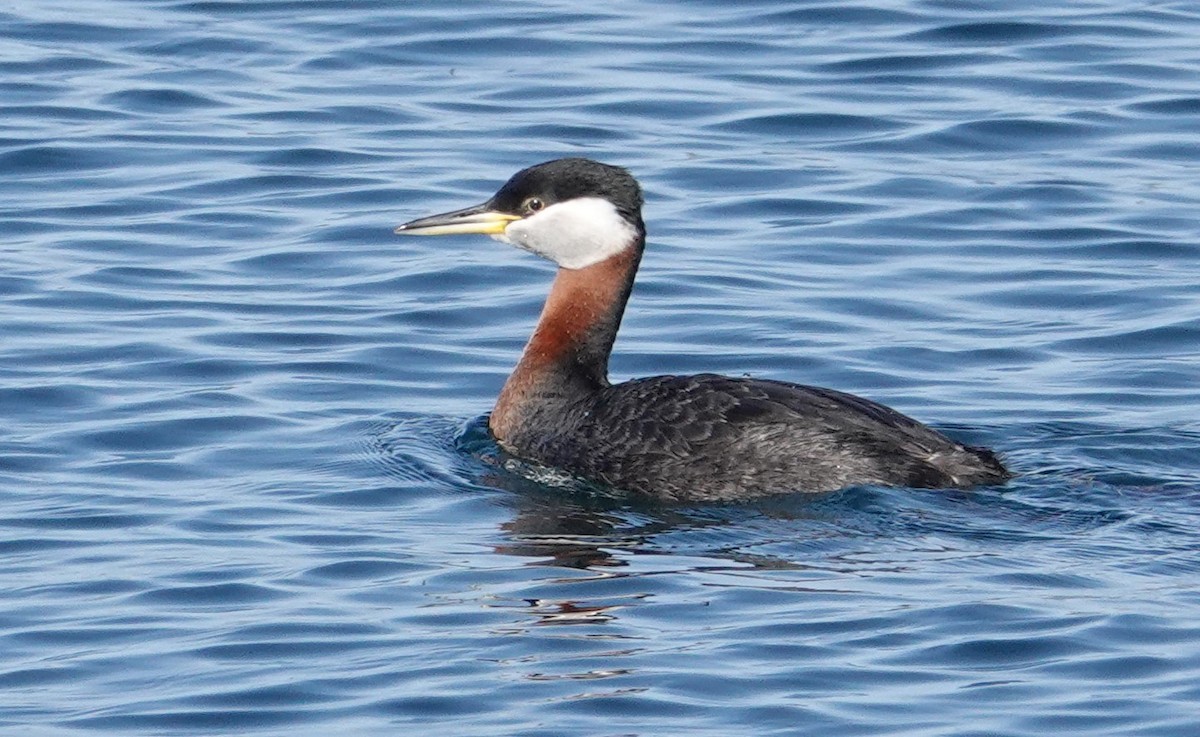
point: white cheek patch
(573, 234)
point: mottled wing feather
(670, 435)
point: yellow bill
(479, 219)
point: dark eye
(533, 204)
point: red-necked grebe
(683, 438)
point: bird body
(710, 438)
(682, 438)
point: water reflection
(561, 522)
(575, 525)
(569, 612)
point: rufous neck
(567, 357)
(579, 322)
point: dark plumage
(699, 438)
(710, 437)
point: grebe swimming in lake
(683, 438)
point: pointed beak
(478, 219)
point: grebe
(679, 438)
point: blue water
(244, 482)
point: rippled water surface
(245, 485)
